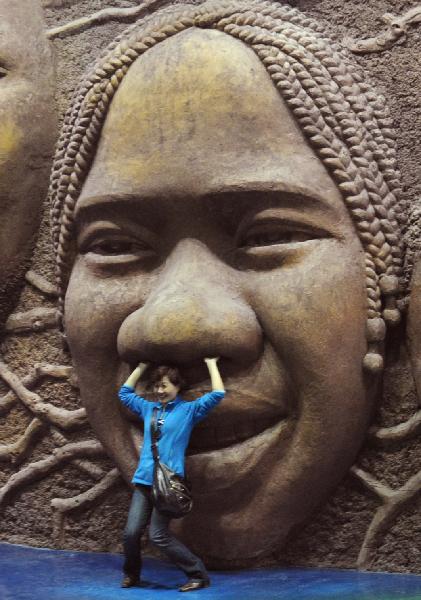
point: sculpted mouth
(208, 438)
(226, 430)
(242, 417)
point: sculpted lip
(241, 457)
(213, 438)
(228, 427)
(253, 441)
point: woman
(176, 419)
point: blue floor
(34, 574)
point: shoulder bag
(171, 493)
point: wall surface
(58, 488)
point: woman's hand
(211, 360)
(216, 379)
(136, 375)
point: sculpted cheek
(95, 309)
(314, 311)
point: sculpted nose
(195, 311)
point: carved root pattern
(123, 15)
(41, 284)
(48, 421)
(36, 320)
(396, 32)
(393, 501)
(64, 506)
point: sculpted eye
(271, 237)
(116, 247)
(107, 246)
(3, 72)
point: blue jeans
(141, 513)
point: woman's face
(165, 390)
(208, 227)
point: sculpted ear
(414, 326)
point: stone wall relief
(48, 420)
(151, 283)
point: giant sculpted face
(26, 136)
(208, 221)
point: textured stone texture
(334, 535)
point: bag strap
(154, 430)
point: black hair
(172, 373)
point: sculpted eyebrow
(105, 200)
(227, 194)
(233, 205)
(115, 205)
(264, 193)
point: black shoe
(194, 584)
(130, 581)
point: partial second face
(27, 134)
(208, 227)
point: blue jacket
(179, 419)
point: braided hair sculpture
(345, 121)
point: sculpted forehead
(195, 111)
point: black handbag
(171, 493)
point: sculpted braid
(344, 120)
(326, 92)
(350, 88)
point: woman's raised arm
(134, 377)
(128, 397)
(216, 379)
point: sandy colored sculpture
(225, 185)
(27, 129)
